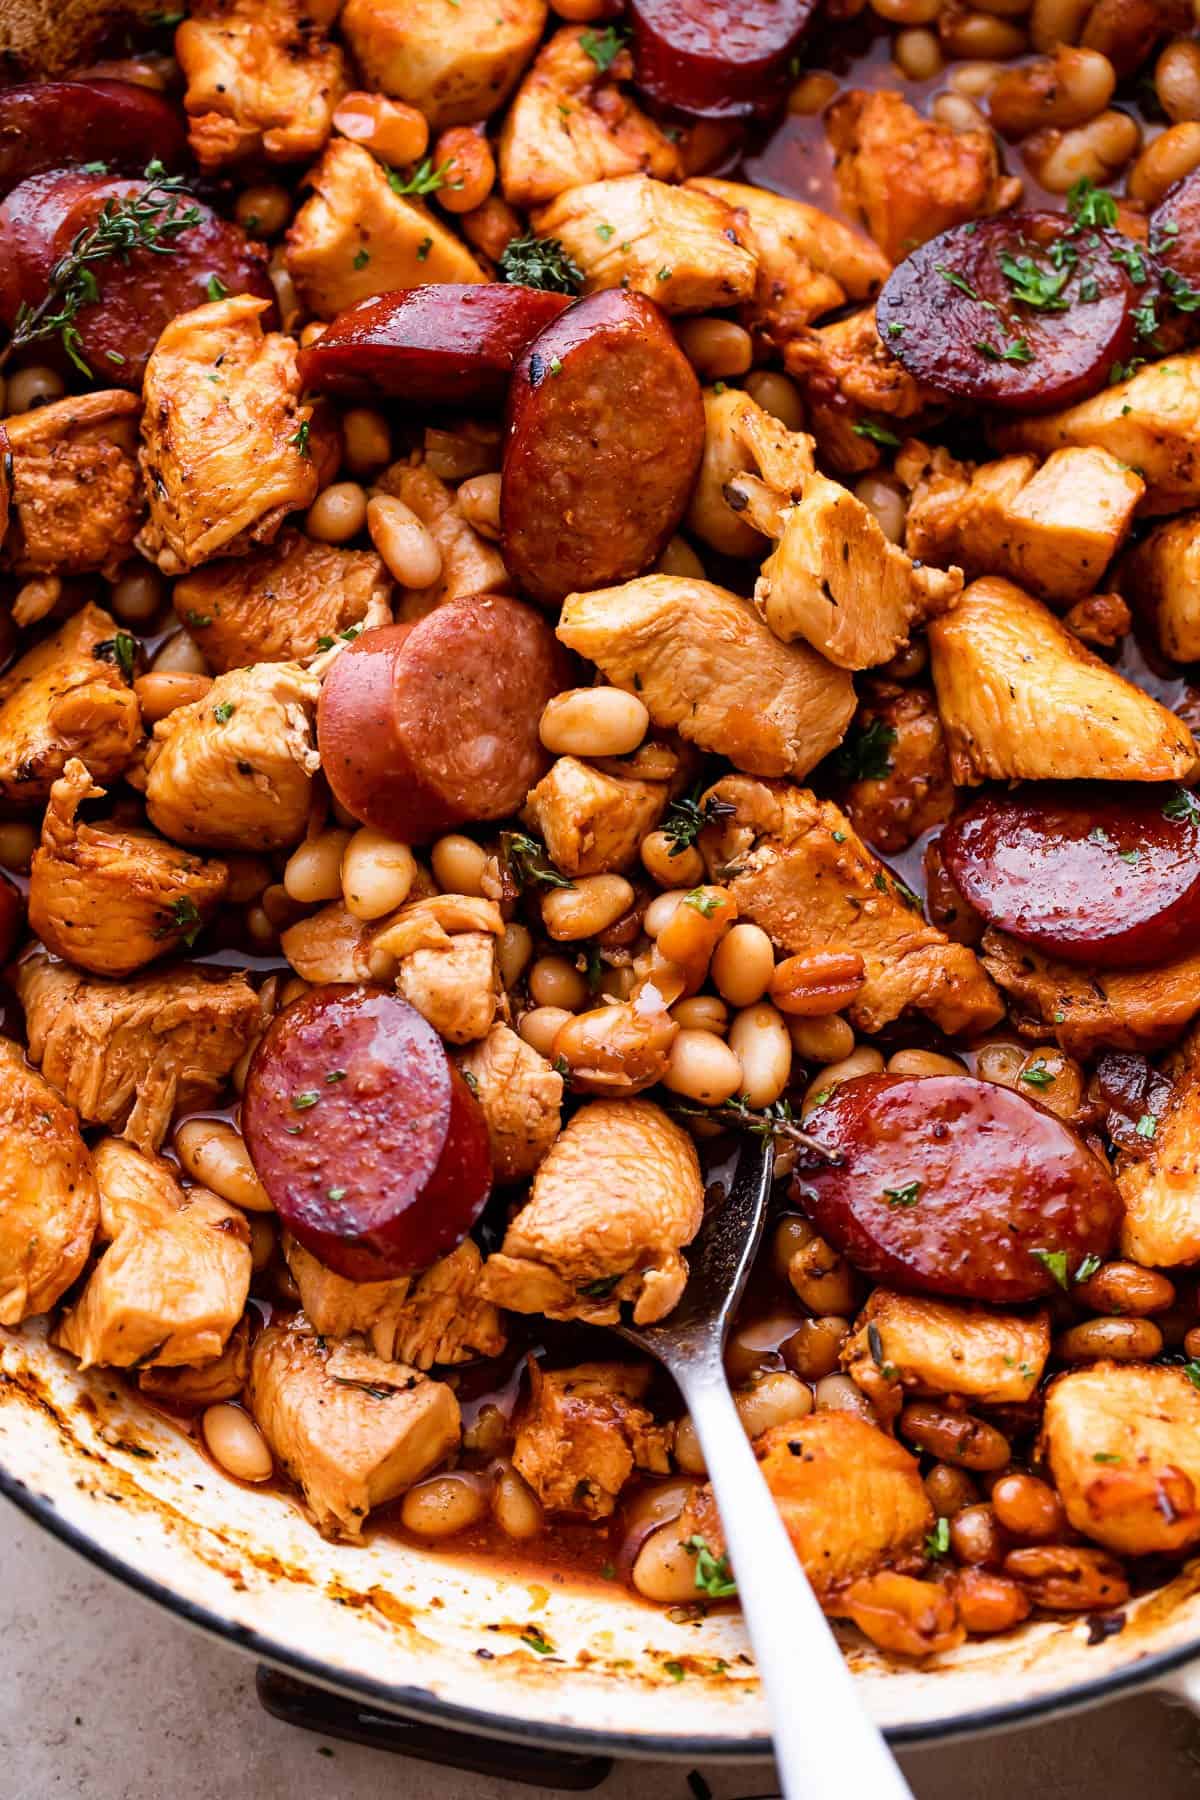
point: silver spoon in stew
(826, 1746)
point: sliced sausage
(49, 124)
(1107, 879)
(1021, 311)
(372, 1147)
(948, 1185)
(449, 344)
(605, 431)
(717, 59)
(423, 726)
(1175, 236)
(139, 293)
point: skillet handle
(333, 1715)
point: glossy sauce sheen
(1102, 877)
(996, 1178)
(1175, 229)
(717, 59)
(52, 123)
(450, 344)
(368, 1140)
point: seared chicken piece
(570, 123)
(1021, 698)
(593, 823)
(456, 66)
(906, 1343)
(521, 1096)
(282, 603)
(76, 500)
(1053, 529)
(332, 945)
(907, 177)
(851, 1498)
(855, 392)
(355, 237)
(809, 263)
(225, 450)
(173, 1282)
(902, 787)
(234, 770)
(582, 1434)
(445, 950)
(351, 1429)
(470, 565)
(111, 898)
(49, 1202)
(1150, 422)
(1164, 572)
(127, 1053)
(261, 82)
(833, 578)
(612, 1205)
(704, 663)
(1123, 1444)
(1161, 1189)
(796, 867)
(679, 246)
(66, 697)
(709, 515)
(435, 1317)
(203, 1385)
(1085, 1009)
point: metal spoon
(826, 1746)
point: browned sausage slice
(605, 432)
(717, 59)
(48, 124)
(421, 727)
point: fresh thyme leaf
(863, 756)
(1192, 1370)
(300, 439)
(775, 1123)
(303, 1101)
(541, 263)
(533, 1637)
(1087, 1267)
(878, 434)
(425, 179)
(1038, 1075)
(224, 711)
(1183, 807)
(121, 650)
(713, 1575)
(529, 861)
(705, 904)
(603, 47)
(908, 1195)
(956, 280)
(1089, 205)
(1105, 1456)
(687, 817)
(1055, 1263)
(937, 1542)
(186, 918)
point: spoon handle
(826, 1747)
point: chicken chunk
(679, 246)
(351, 1429)
(49, 1202)
(571, 123)
(709, 515)
(355, 236)
(851, 1498)
(907, 177)
(128, 1053)
(1161, 1189)
(261, 82)
(797, 868)
(593, 823)
(1164, 573)
(445, 951)
(521, 1096)
(705, 664)
(173, 1282)
(332, 945)
(1151, 422)
(582, 1434)
(856, 394)
(435, 1317)
(809, 263)
(1021, 698)
(67, 697)
(1053, 529)
(224, 442)
(204, 1384)
(833, 578)
(470, 565)
(1085, 1009)
(76, 500)
(1123, 1444)
(234, 770)
(896, 754)
(108, 897)
(458, 66)
(283, 602)
(906, 1343)
(612, 1205)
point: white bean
(702, 1067)
(592, 904)
(459, 864)
(443, 1506)
(759, 1039)
(377, 873)
(596, 721)
(215, 1155)
(314, 871)
(742, 965)
(406, 546)
(234, 1440)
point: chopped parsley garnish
(713, 1576)
(878, 434)
(361, 258)
(1105, 1456)
(1034, 286)
(300, 438)
(956, 280)
(423, 249)
(1192, 1371)
(335, 1193)
(1131, 259)
(324, 642)
(302, 1102)
(908, 1195)
(529, 861)
(604, 232)
(675, 1670)
(1038, 1075)
(533, 1637)
(705, 904)
(1015, 351)
(601, 1288)
(1087, 1267)
(1089, 205)
(121, 650)
(1182, 807)
(603, 47)
(541, 263)
(1055, 1263)
(863, 756)
(224, 711)
(215, 288)
(1147, 1125)
(336, 1075)
(186, 918)
(425, 179)
(937, 1542)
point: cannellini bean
(1062, 90)
(918, 54)
(883, 497)
(1054, 22)
(778, 395)
(954, 1437)
(1172, 155)
(863, 1061)
(1027, 1507)
(513, 953)
(673, 866)
(377, 873)
(663, 1571)
(989, 1603)
(1177, 80)
(553, 981)
(1001, 1062)
(837, 1393)
(694, 929)
(541, 1025)
(976, 1538)
(263, 210)
(18, 842)
(1127, 1289)
(813, 92)
(923, 1062)
(406, 546)
(702, 1067)
(466, 154)
(591, 904)
(680, 559)
(703, 1012)
(716, 348)
(817, 983)
(180, 655)
(138, 596)
(33, 386)
(981, 34)
(479, 502)
(974, 79)
(516, 1507)
(262, 1241)
(234, 1441)
(742, 965)
(958, 113)
(774, 1399)
(688, 1453)
(313, 872)
(822, 1041)
(759, 1039)
(1121, 1340)
(459, 864)
(443, 1505)
(815, 1347)
(338, 513)
(1094, 151)
(950, 1489)
(596, 721)
(214, 1154)
(160, 692)
(822, 1279)
(367, 438)
(907, 12)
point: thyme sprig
(775, 1122)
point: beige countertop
(106, 1697)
